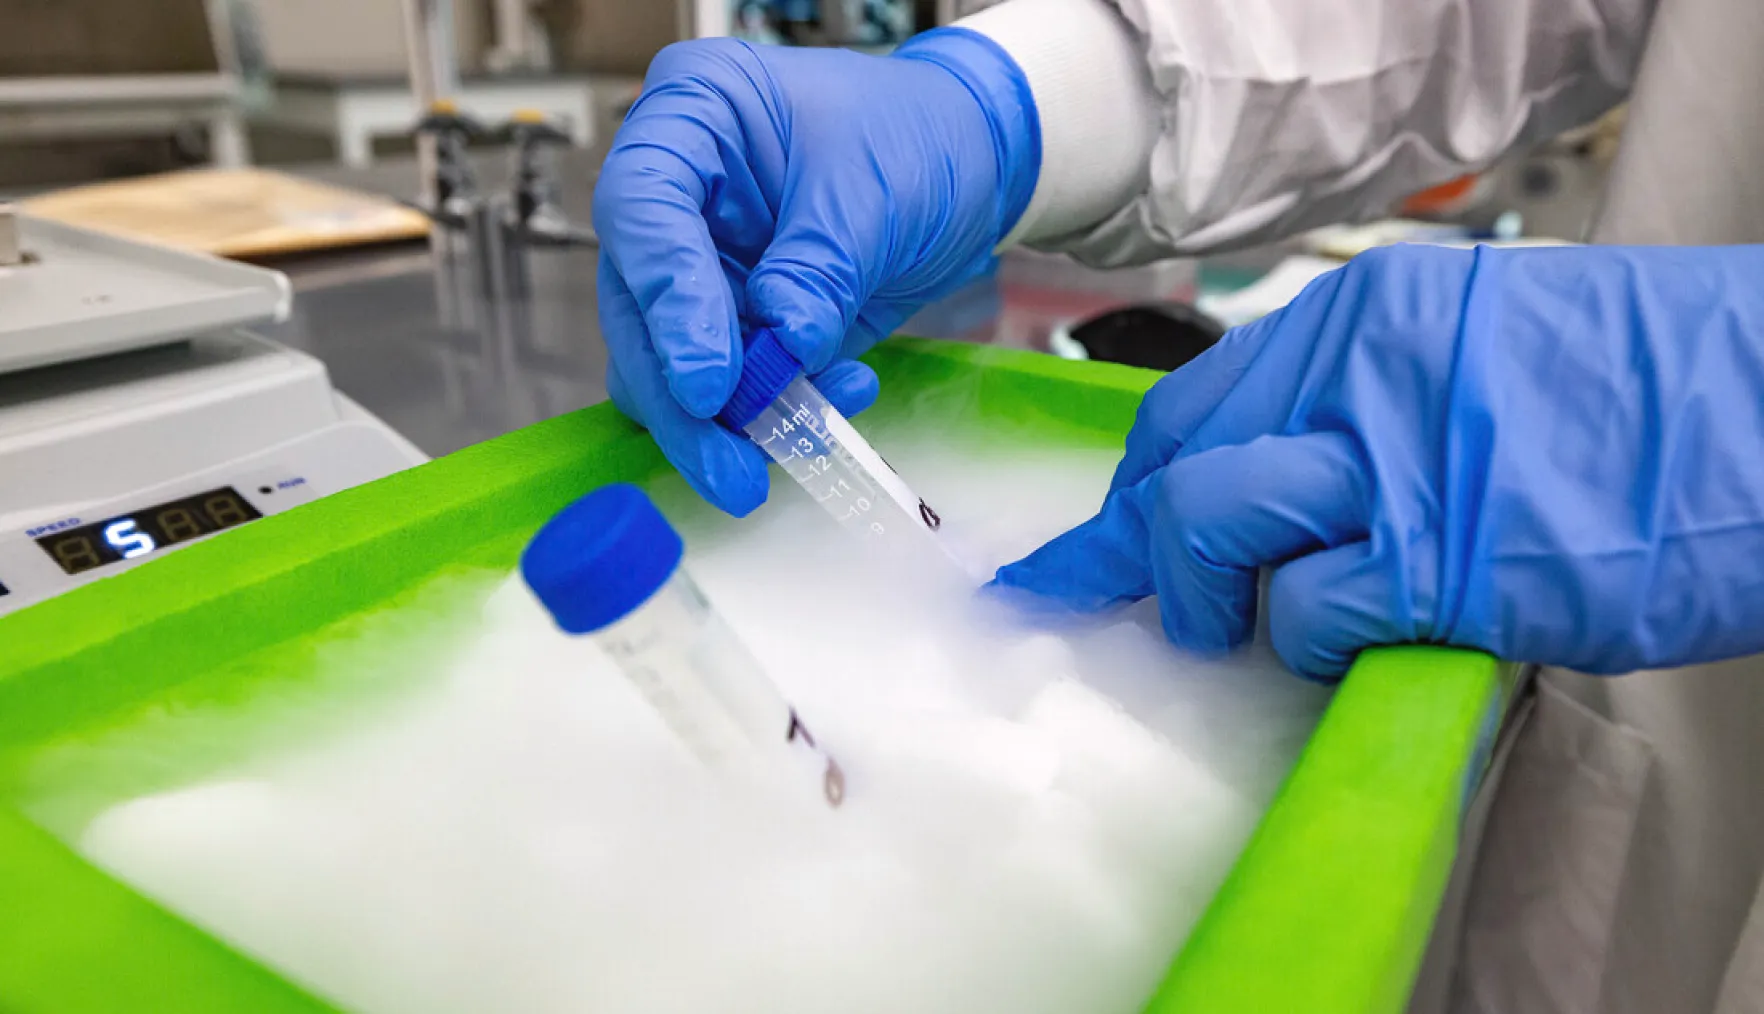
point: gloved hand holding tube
(1553, 455)
(822, 193)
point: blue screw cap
(601, 557)
(767, 368)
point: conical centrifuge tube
(608, 566)
(776, 405)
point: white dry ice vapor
(1033, 819)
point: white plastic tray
(91, 294)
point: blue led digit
(125, 539)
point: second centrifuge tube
(608, 567)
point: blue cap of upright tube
(767, 368)
(601, 557)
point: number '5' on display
(126, 539)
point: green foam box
(1327, 910)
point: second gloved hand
(1555, 456)
(822, 193)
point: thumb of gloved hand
(1324, 607)
(811, 282)
(866, 232)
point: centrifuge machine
(138, 413)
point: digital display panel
(126, 536)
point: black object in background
(1158, 336)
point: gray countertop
(419, 347)
(411, 336)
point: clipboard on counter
(242, 213)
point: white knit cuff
(1099, 114)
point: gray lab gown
(1613, 864)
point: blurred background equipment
(123, 84)
(873, 25)
(1553, 190)
(355, 90)
(611, 37)
(865, 24)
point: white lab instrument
(136, 414)
(608, 566)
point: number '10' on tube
(127, 536)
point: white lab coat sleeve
(1180, 126)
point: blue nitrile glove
(1552, 455)
(822, 193)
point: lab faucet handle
(455, 185)
(444, 118)
(530, 130)
(12, 251)
(551, 228)
(537, 217)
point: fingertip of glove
(1013, 578)
(737, 495)
(1018, 594)
(1323, 608)
(851, 386)
(1196, 632)
(702, 391)
(1307, 666)
(809, 326)
(728, 471)
(746, 501)
(1044, 591)
(1302, 653)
